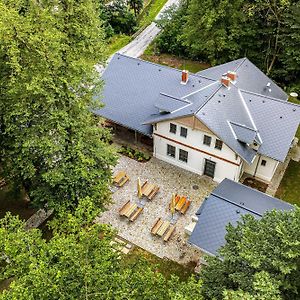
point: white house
(220, 122)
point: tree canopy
(78, 263)
(261, 260)
(267, 32)
(50, 141)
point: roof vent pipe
(184, 76)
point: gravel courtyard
(170, 179)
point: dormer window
(173, 128)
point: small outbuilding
(228, 202)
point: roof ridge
(236, 204)
(269, 97)
(207, 100)
(244, 59)
(175, 98)
(242, 125)
(257, 191)
(161, 66)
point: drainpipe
(257, 166)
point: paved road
(137, 47)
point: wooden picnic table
(119, 176)
(180, 203)
(136, 214)
(149, 190)
(124, 208)
(130, 210)
(163, 228)
(169, 233)
(156, 226)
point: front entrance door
(209, 168)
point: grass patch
(118, 42)
(164, 266)
(150, 12)
(174, 61)
(289, 188)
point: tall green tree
(136, 5)
(49, 139)
(261, 260)
(78, 263)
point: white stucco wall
(258, 170)
(196, 159)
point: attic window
(173, 128)
(207, 140)
(263, 162)
(218, 144)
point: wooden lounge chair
(180, 203)
(185, 207)
(130, 210)
(177, 198)
(156, 226)
(169, 233)
(163, 228)
(153, 192)
(136, 214)
(124, 208)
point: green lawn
(117, 43)
(164, 266)
(148, 15)
(150, 12)
(289, 189)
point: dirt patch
(176, 62)
(256, 184)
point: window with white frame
(218, 144)
(183, 132)
(206, 140)
(171, 150)
(183, 155)
(173, 128)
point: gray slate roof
(136, 93)
(243, 133)
(227, 204)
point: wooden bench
(180, 203)
(153, 192)
(130, 210)
(124, 208)
(163, 228)
(120, 179)
(156, 226)
(124, 180)
(185, 207)
(169, 233)
(136, 214)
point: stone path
(170, 179)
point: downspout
(256, 166)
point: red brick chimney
(184, 76)
(225, 81)
(231, 75)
